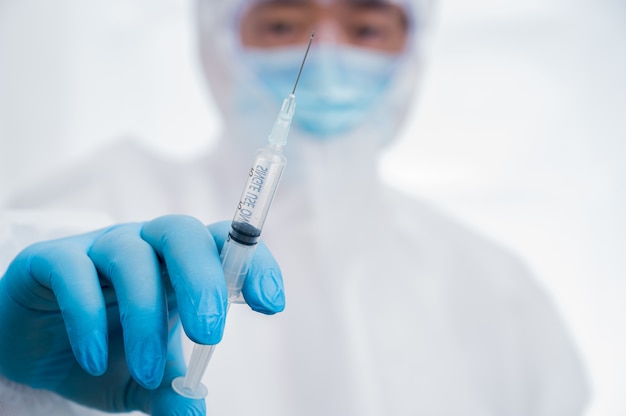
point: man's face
(375, 24)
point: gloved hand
(95, 317)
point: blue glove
(95, 317)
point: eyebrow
(371, 3)
(284, 2)
(384, 6)
(364, 3)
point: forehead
(326, 1)
(348, 3)
(330, 8)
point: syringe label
(251, 193)
(255, 183)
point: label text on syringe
(251, 193)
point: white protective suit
(392, 308)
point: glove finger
(69, 273)
(167, 402)
(164, 401)
(195, 272)
(132, 267)
(263, 288)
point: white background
(520, 129)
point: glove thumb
(164, 401)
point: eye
(275, 23)
(279, 28)
(278, 32)
(366, 32)
(272, 25)
(380, 26)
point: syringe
(245, 230)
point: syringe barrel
(249, 218)
(257, 195)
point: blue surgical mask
(338, 88)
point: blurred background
(520, 128)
